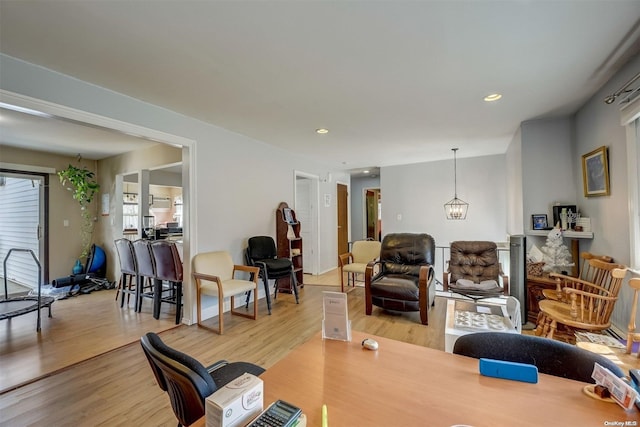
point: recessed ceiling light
(492, 97)
(322, 131)
(365, 171)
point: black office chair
(551, 357)
(262, 253)
(187, 382)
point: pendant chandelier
(455, 208)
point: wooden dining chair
(632, 334)
(589, 308)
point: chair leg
(221, 312)
(294, 283)
(178, 289)
(267, 294)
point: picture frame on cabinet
(595, 173)
(539, 221)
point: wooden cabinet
(535, 286)
(288, 239)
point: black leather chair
(474, 270)
(551, 357)
(404, 280)
(187, 382)
(262, 253)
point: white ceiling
(395, 82)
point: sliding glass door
(23, 225)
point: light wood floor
(117, 388)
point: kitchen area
(161, 217)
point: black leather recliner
(262, 253)
(404, 280)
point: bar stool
(168, 268)
(146, 269)
(128, 272)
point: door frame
(364, 209)
(42, 174)
(189, 192)
(315, 214)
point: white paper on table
(335, 323)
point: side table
(535, 286)
(454, 329)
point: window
(630, 117)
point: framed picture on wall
(539, 221)
(595, 173)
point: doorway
(306, 207)
(343, 218)
(23, 225)
(373, 214)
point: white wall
(239, 181)
(598, 124)
(419, 191)
(548, 169)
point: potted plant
(83, 187)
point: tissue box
(236, 403)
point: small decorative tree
(83, 189)
(556, 254)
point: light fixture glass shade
(456, 209)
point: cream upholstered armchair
(355, 262)
(214, 274)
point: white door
(306, 213)
(22, 227)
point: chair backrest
(184, 378)
(126, 256)
(473, 260)
(218, 263)
(596, 308)
(586, 271)
(261, 247)
(405, 253)
(144, 258)
(167, 259)
(599, 273)
(551, 357)
(364, 251)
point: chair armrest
(425, 275)
(208, 277)
(588, 294)
(344, 259)
(249, 269)
(219, 364)
(568, 282)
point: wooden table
(407, 385)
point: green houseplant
(83, 187)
